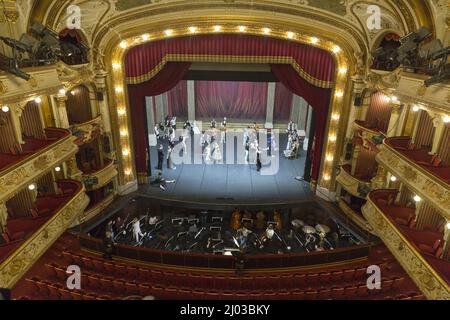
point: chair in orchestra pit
(158, 292)
(194, 280)
(118, 286)
(132, 272)
(104, 297)
(61, 274)
(168, 276)
(54, 292)
(76, 295)
(90, 296)
(107, 284)
(67, 256)
(94, 282)
(254, 295)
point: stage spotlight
(290, 35)
(266, 30)
(145, 36)
(217, 28)
(168, 32)
(417, 198)
(314, 40)
(192, 29)
(38, 100)
(5, 108)
(123, 44)
(241, 28)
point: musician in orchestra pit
(108, 245)
(152, 220)
(137, 230)
(270, 232)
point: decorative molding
(102, 177)
(88, 131)
(435, 191)
(19, 176)
(428, 281)
(95, 210)
(353, 185)
(17, 264)
(355, 217)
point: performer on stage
(137, 230)
(157, 133)
(169, 156)
(213, 123)
(258, 159)
(247, 149)
(183, 144)
(173, 123)
(216, 154)
(223, 132)
(160, 157)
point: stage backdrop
(156, 67)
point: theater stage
(232, 183)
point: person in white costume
(137, 230)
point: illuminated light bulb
(128, 172)
(38, 100)
(62, 92)
(266, 30)
(446, 119)
(343, 70)
(145, 36)
(417, 198)
(339, 93)
(5, 108)
(217, 28)
(119, 89)
(332, 138)
(416, 108)
(335, 117)
(314, 40)
(388, 99)
(336, 49)
(72, 92)
(326, 177)
(393, 178)
(123, 133)
(123, 44)
(121, 111)
(448, 225)
(125, 152)
(394, 98)
(168, 32)
(31, 187)
(57, 169)
(116, 66)
(192, 29)
(241, 28)
(290, 34)
(329, 158)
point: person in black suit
(160, 157)
(258, 159)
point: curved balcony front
(431, 274)
(38, 157)
(87, 131)
(31, 237)
(100, 177)
(356, 186)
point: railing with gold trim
(96, 209)
(87, 131)
(423, 274)
(21, 174)
(428, 186)
(355, 217)
(353, 185)
(17, 264)
(97, 179)
(368, 135)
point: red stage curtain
(165, 80)
(318, 98)
(178, 101)
(144, 58)
(234, 100)
(283, 103)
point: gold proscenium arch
(339, 105)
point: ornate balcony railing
(96, 209)
(17, 264)
(356, 187)
(426, 278)
(19, 175)
(355, 217)
(371, 137)
(97, 179)
(427, 185)
(87, 131)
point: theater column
(62, 111)
(446, 250)
(16, 113)
(270, 105)
(191, 99)
(380, 180)
(394, 120)
(102, 100)
(356, 106)
(439, 127)
(3, 217)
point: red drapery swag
(282, 103)
(234, 100)
(178, 100)
(142, 59)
